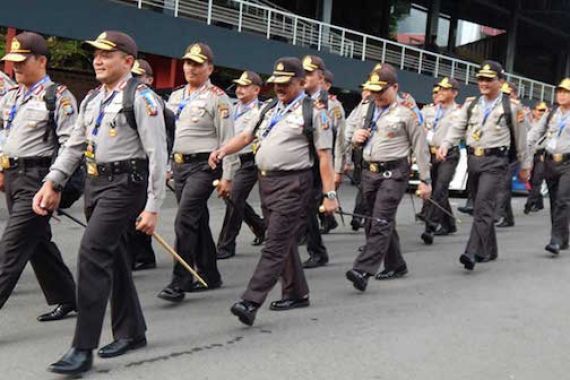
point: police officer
(238, 210)
(489, 138)
(285, 158)
(126, 169)
(314, 68)
(437, 120)
(140, 244)
(388, 132)
(32, 140)
(556, 165)
(203, 124)
(5, 83)
(504, 211)
(534, 201)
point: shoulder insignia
(216, 90)
(15, 87)
(60, 89)
(150, 101)
(224, 110)
(324, 120)
(65, 104)
(337, 113)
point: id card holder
(551, 146)
(429, 136)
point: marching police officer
(126, 167)
(237, 209)
(437, 120)
(534, 201)
(388, 132)
(203, 112)
(285, 157)
(33, 135)
(140, 244)
(556, 165)
(492, 127)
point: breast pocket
(33, 118)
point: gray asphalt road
(506, 320)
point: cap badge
(195, 49)
(280, 67)
(102, 36)
(243, 76)
(15, 45)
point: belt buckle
(433, 149)
(557, 157)
(179, 158)
(479, 152)
(92, 168)
(5, 161)
(374, 168)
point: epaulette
(60, 89)
(470, 99)
(365, 101)
(216, 90)
(332, 97)
(141, 87)
(267, 101)
(15, 87)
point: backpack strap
(50, 99)
(551, 114)
(369, 115)
(509, 120)
(129, 102)
(268, 106)
(470, 110)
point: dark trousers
(382, 195)
(442, 173)
(536, 177)
(112, 205)
(504, 207)
(558, 182)
(239, 210)
(487, 174)
(194, 242)
(27, 237)
(139, 246)
(315, 245)
(285, 202)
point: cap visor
(100, 45)
(15, 57)
(445, 85)
(138, 71)
(373, 87)
(241, 83)
(563, 88)
(279, 80)
(309, 68)
(195, 58)
(486, 74)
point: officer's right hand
(224, 188)
(1, 181)
(360, 136)
(329, 206)
(441, 153)
(46, 199)
(215, 158)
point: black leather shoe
(564, 247)
(288, 304)
(328, 226)
(553, 248)
(355, 225)
(315, 262)
(73, 362)
(225, 255)
(58, 313)
(526, 209)
(427, 237)
(392, 274)
(359, 279)
(502, 223)
(121, 346)
(465, 209)
(467, 261)
(484, 259)
(144, 265)
(245, 311)
(172, 294)
(197, 287)
(452, 230)
(259, 239)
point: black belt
(246, 157)
(139, 165)
(384, 166)
(558, 157)
(501, 151)
(8, 163)
(540, 152)
(181, 158)
(281, 173)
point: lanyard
(438, 116)
(279, 114)
(187, 100)
(101, 114)
(562, 123)
(246, 108)
(15, 107)
(487, 109)
(378, 112)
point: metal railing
(277, 24)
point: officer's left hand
(424, 190)
(224, 188)
(46, 199)
(524, 175)
(146, 222)
(215, 158)
(337, 180)
(330, 205)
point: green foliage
(68, 54)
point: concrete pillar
(512, 33)
(326, 17)
(452, 35)
(432, 24)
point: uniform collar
(206, 84)
(119, 87)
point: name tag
(429, 136)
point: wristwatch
(330, 195)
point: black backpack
(129, 112)
(73, 189)
(506, 103)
